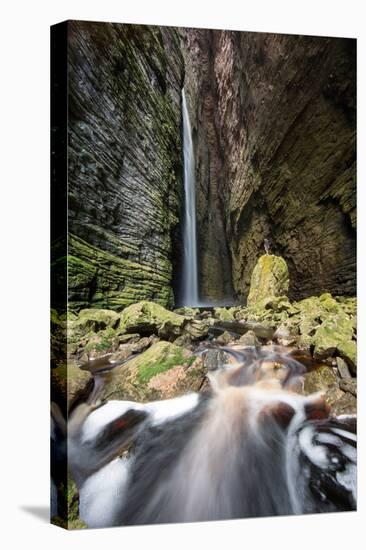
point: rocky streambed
(146, 353)
(154, 353)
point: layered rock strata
(125, 174)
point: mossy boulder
(198, 329)
(89, 321)
(334, 337)
(224, 313)
(147, 318)
(164, 370)
(187, 311)
(270, 278)
(104, 341)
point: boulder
(198, 329)
(349, 385)
(224, 338)
(163, 370)
(184, 341)
(284, 336)
(224, 314)
(249, 339)
(187, 311)
(334, 336)
(346, 404)
(347, 349)
(215, 358)
(343, 369)
(320, 379)
(101, 342)
(148, 318)
(270, 278)
(92, 320)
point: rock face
(279, 114)
(125, 175)
(273, 120)
(269, 279)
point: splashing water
(249, 447)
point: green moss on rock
(134, 380)
(149, 317)
(270, 278)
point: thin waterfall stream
(189, 288)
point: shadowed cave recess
(272, 121)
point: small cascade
(189, 286)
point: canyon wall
(280, 112)
(273, 120)
(124, 163)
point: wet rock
(224, 338)
(319, 379)
(163, 370)
(179, 380)
(346, 404)
(206, 314)
(343, 368)
(332, 397)
(249, 339)
(261, 330)
(284, 336)
(349, 385)
(213, 359)
(270, 278)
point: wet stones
(349, 385)
(343, 369)
(249, 339)
(320, 379)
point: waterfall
(189, 287)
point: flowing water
(189, 287)
(251, 445)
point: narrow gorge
(210, 270)
(273, 128)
